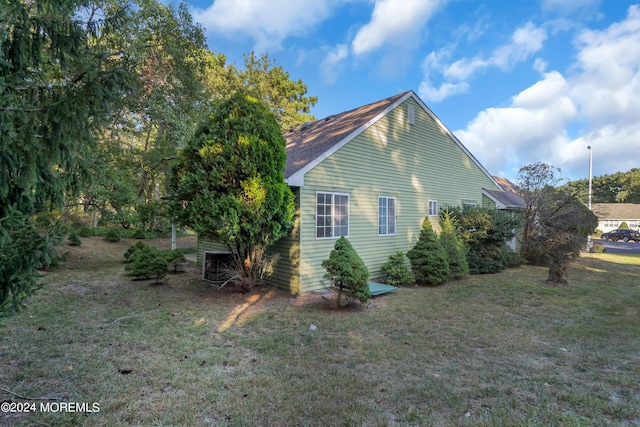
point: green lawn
(494, 350)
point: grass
(494, 350)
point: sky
(517, 81)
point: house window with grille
(332, 215)
(433, 208)
(386, 216)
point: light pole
(590, 174)
(590, 192)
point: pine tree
(347, 271)
(428, 258)
(458, 265)
(57, 87)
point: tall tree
(229, 182)
(58, 85)
(263, 79)
(556, 222)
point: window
(471, 203)
(386, 216)
(332, 215)
(433, 208)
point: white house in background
(611, 215)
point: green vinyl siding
(286, 270)
(413, 163)
(206, 245)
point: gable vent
(411, 114)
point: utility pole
(590, 190)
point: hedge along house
(371, 174)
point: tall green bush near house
(458, 265)
(347, 271)
(428, 258)
(229, 183)
(624, 226)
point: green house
(371, 174)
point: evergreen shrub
(347, 271)
(428, 258)
(398, 274)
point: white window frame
(332, 215)
(411, 114)
(389, 220)
(433, 208)
(470, 203)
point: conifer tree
(347, 271)
(428, 258)
(458, 265)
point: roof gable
(509, 198)
(311, 143)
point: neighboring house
(509, 200)
(611, 215)
(371, 174)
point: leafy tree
(347, 271)
(263, 79)
(556, 222)
(397, 272)
(149, 263)
(58, 85)
(631, 185)
(453, 246)
(484, 232)
(229, 182)
(428, 258)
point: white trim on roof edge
(297, 179)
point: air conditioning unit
(215, 267)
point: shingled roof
(619, 211)
(310, 141)
(510, 198)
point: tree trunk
(557, 273)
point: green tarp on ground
(380, 288)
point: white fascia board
(297, 179)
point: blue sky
(517, 81)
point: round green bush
(112, 235)
(397, 272)
(347, 271)
(74, 239)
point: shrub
(513, 259)
(132, 249)
(428, 258)
(85, 232)
(112, 235)
(624, 226)
(139, 234)
(74, 240)
(396, 270)
(453, 246)
(175, 258)
(598, 248)
(347, 271)
(149, 263)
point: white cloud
(525, 41)
(393, 20)
(332, 61)
(601, 93)
(267, 22)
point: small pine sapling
(428, 258)
(132, 249)
(112, 235)
(347, 272)
(398, 274)
(74, 239)
(148, 263)
(175, 258)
